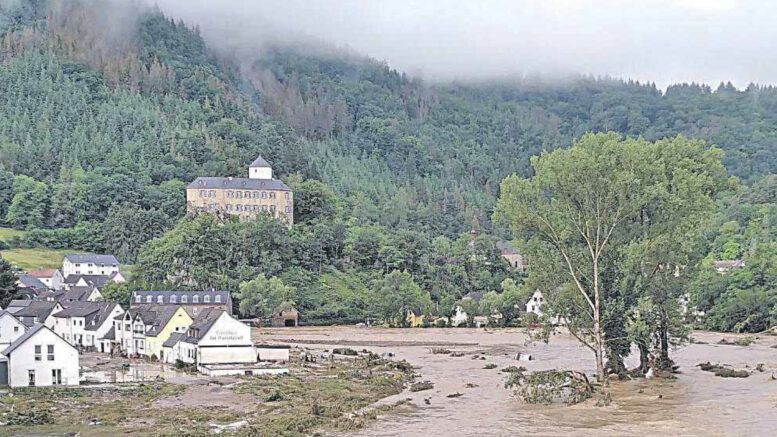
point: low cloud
(663, 41)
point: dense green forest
(103, 125)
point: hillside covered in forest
(103, 125)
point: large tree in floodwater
(601, 214)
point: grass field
(31, 259)
(7, 233)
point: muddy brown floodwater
(697, 403)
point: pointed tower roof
(259, 162)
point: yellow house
(413, 320)
(169, 319)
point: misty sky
(664, 41)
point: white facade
(43, 359)
(273, 353)
(227, 341)
(88, 268)
(80, 331)
(10, 329)
(131, 334)
(260, 173)
(460, 318)
(534, 305)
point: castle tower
(260, 169)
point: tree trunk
(664, 363)
(644, 358)
(598, 337)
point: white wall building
(218, 344)
(85, 264)
(534, 305)
(40, 358)
(10, 329)
(83, 324)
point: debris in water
(490, 366)
(723, 372)
(440, 351)
(511, 369)
(455, 395)
(421, 386)
(551, 386)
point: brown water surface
(696, 404)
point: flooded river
(696, 404)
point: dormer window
(160, 299)
(173, 299)
(148, 299)
(184, 299)
(195, 299)
(206, 298)
(137, 298)
(217, 298)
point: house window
(248, 207)
(38, 352)
(128, 327)
(229, 207)
(203, 193)
(15, 329)
(248, 194)
(265, 208)
(206, 298)
(184, 299)
(212, 193)
(264, 194)
(195, 299)
(137, 298)
(160, 299)
(288, 210)
(31, 378)
(56, 376)
(238, 207)
(217, 299)
(173, 299)
(50, 352)
(272, 195)
(239, 194)
(230, 194)
(272, 209)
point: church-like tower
(260, 169)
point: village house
(218, 344)
(11, 328)
(29, 286)
(87, 264)
(84, 324)
(512, 256)
(243, 197)
(534, 305)
(415, 318)
(460, 317)
(97, 281)
(285, 315)
(32, 312)
(51, 278)
(170, 320)
(192, 301)
(80, 294)
(724, 267)
(39, 358)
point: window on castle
(217, 298)
(239, 194)
(288, 195)
(230, 194)
(173, 299)
(148, 299)
(160, 299)
(265, 208)
(272, 208)
(212, 193)
(195, 299)
(264, 194)
(206, 298)
(184, 299)
(247, 194)
(203, 193)
(288, 209)
(238, 207)
(272, 195)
